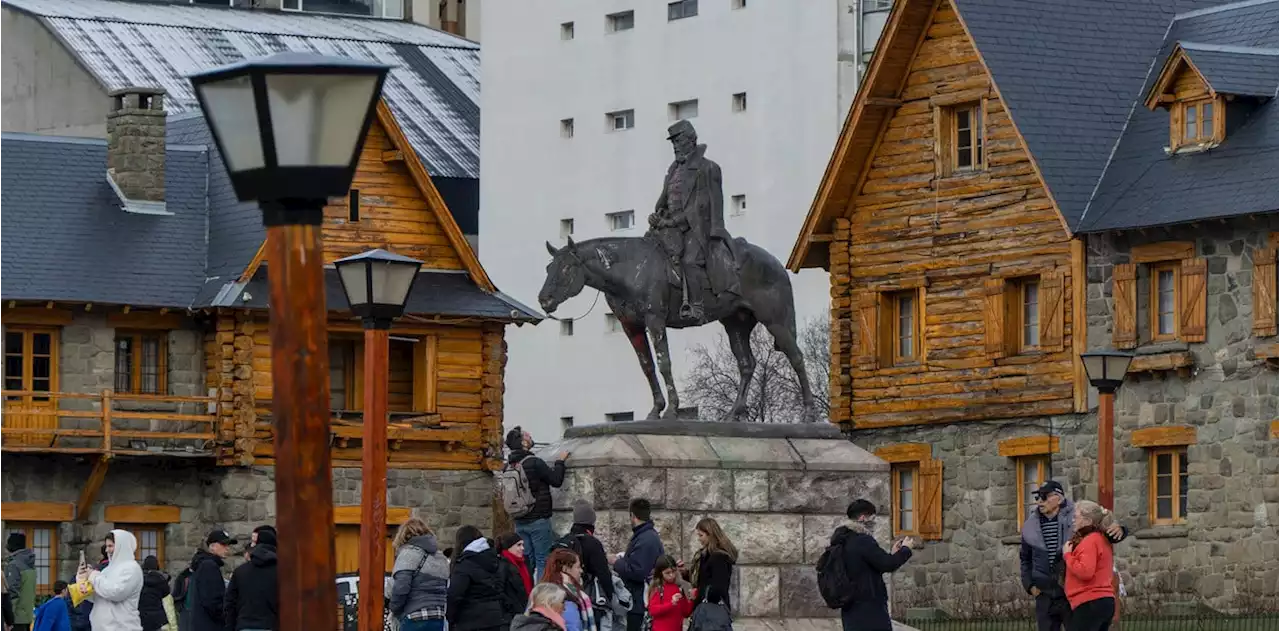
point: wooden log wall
(910, 225)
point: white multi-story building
(576, 100)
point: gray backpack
(517, 495)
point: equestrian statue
(686, 271)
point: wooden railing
(108, 423)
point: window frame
(946, 136)
(135, 528)
(1018, 315)
(29, 355)
(612, 220)
(28, 528)
(136, 339)
(1153, 300)
(612, 324)
(894, 329)
(1041, 461)
(977, 153)
(738, 205)
(739, 102)
(895, 472)
(614, 21)
(619, 417)
(674, 108)
(1177, 455)
(1198, 106)
(566, 128)
(628, 118)
(567, 31)
(566, 328)
(681, 7)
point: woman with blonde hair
(420, 578)
(546, 610)
(712, 566)
(1088, 562)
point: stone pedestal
(777, 490)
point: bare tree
(774, 394)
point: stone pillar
(777, 490)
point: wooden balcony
(108, 423)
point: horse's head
(565, 277)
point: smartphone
(82, 563)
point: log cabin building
(1018, 182)
(137, 363)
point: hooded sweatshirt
(252, 600)
(155, 586)
(206, 594)
(53, 615)
(117, 588)
(420, 577)
(475, 589)
(20, 578)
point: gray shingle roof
(433, 88)
(1236, 69)
(1143, 186)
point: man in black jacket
(253, 594)
(635, 566)
(535, 527)
(865, 563)
(595, 563)
(206, 594)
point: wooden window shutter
(1264, 292)
(930, 515)
(1194, 296)
(1051, 311)
(994, 317)
(425, 374)
(1124, 292)
(868, 333)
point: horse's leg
(739, 327)
(640, 342)
(658, 331)
(785, 338)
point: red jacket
(1089, 569)
(668, 615)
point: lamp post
(377, 285)
(290, 128)
(1106, 370)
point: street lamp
(1106, 370)
(290, 128)
(377, 284)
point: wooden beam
(36, 316)
(89, 493)
(143, 514)
(151, 320)
(1275, 429)
(1079, 325)
(821, 238)
(393, 156)
(254, 263)
(38, 511)
(1162, 251)
(876, 101)
(1163, 361)
(905, 452)
(1028, 446)
(351, 515)
(1164, 436)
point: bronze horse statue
(634, 275)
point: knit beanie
(583, 513)
(515, 438)
(17, 541)
(506, 541)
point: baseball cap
(1052, 486)
(220, 536)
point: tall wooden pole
(373, 489)
(308, 595)
(1106, 450)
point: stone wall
(777, 498)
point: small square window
(740, 102)
(1197, 122)
(566, 229)
(621, 21)
(566, 422)
(566, 328)
(624, 220)
(620, 417)
(621, 120)
(683, 110)
(682, 9)
(612, 324)
(566, 31)
(566, 128)
(738, 205)
(738, 4)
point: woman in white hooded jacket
(117, 587)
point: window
(1175, 295)
(393, 9)
(30, 361)
(566, 328)
(683, 110)
(904, 326)
(739, 4)
(566, 128)
(1024, 315)
(150, 540)
(1033, 471)
(682, 9)
(566, 31)
(566, 228)
(565, 423)
(353, 205)
(42, 538)
(1198, 124)
(141, 362)
(624, 220)
(410, 363)
(872, 6)
(621, 21)
(622, 119)
(904, 498)
(890, 327)
(620, 417)
(612, 324)
(740, 102)
(1168, 486)
(1028, 293)
(738, 205)
(961, 139)
(1164, 302)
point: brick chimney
(135, 147)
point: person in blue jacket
(635, 566)
(55, 613)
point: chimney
(135, 148)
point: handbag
(170, 612)
(80, 591)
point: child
(669, 605)
(55, 613)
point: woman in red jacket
(669, 605)
(1089, 563)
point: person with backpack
(155, 586)
(851, 569)
(596, 575)
(526, 484)
(635, 566)
(516, 580)
(20, 577)
(419, 578)
(252, 601)
(204, 593)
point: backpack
(833, 580)
(573, 542)
(181, 588)
(517, 495)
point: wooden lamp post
(1106, 371)
(290, 128)
(377, 284)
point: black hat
(1052, 486)
(506, 541)
(515, 438)
(267, 537)
(680, 127)
(17, 541)
(221, 536)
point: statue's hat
(680, 127)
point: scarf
(584, 603)
(524, 570)
(551, 615)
